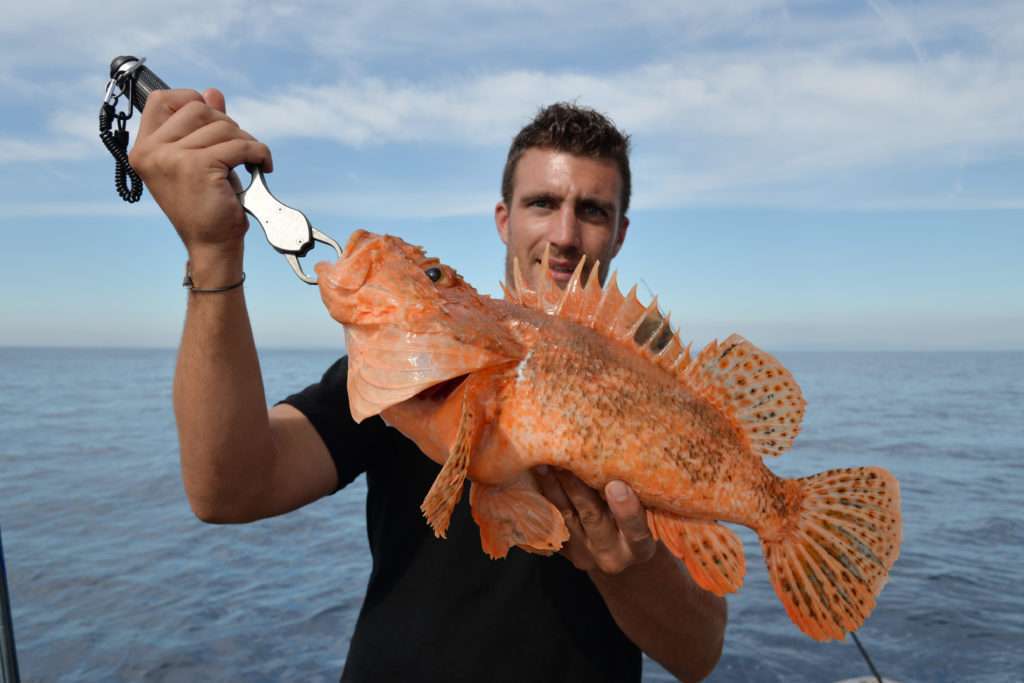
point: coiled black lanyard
(130, 79)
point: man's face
(572, 203)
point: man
(434, 609)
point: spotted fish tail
(830, 562)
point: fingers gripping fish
(594, 382)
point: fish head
(383, 280)
(377, 280)
(411, 322)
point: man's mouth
(562, 269)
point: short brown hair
(568, 127)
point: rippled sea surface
(112, 579)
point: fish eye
(434, 274)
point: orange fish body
(594, 382)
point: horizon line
(271, 347)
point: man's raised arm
(238, 462)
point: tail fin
(832, 560)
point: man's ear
(501, 221)
(623, 227)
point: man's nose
(565, 233)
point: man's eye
(541, 203)
(435, 274)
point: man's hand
(655, 603)
(606, 536)
(186, 148)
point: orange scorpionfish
(582, 380)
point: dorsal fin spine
(748, 385)
(605, 310)
(667, 356)
(571, 298)
(671, 349)
(510, 294)
(651, 307)
(630, 312)
(683, 361)
(592, 294)
(594, 277)
(662, 324)
(546, 287)
(608, 304)
(517, 281)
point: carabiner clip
(110, 97)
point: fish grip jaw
(293, 259)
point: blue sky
(812, 175)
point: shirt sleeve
(325, 405)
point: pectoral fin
(446, 490)
(712, 553)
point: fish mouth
(441, 391)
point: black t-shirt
(440, 609)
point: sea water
(113, 579)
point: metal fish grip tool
(286, 228)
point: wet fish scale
(606, 403)
(597, 383)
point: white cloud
(87, 31)
(898, 24)
(112, 207)
(721, 96)
(14, 151)
(70, 136)
(796, 95)
(395, 203)
(789, 117)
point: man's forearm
(661, 609)
(219, 402)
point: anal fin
(516, 514)
(713, 554)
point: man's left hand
(609, 534)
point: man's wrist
(215, 265)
